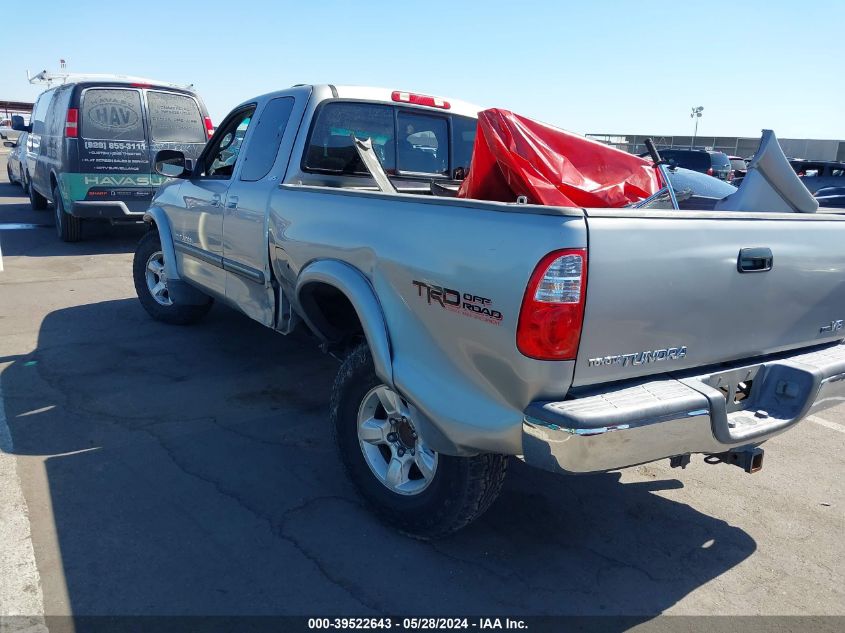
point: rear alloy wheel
(68, 227)
(410, 486)
(153, 286)
(393, 450)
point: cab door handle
(232, 202)
(755, 260)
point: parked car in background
(739, 167)
(91, 145)
(831, 197)
(16, 162)
(714, 164)
(7, 132)
(816, 174)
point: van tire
(36, 200)
(461, 489)
(68, 227)
(172, 313)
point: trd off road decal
(465, 303)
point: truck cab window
(463, 141)
(226, 145)
(269, 130)
(423, 145)
(330, 148)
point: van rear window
(112, 114)
(175, 118)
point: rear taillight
(730, 176)
(72, 123)
(553, 307)
(209, 127)
(710, 171)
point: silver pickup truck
(579, 340)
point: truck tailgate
(665, 291)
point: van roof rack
(46, 77)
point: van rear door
(176, 121)
(114, 160)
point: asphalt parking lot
(190, 470)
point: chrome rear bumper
(646, 420)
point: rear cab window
(738, 164)
(407, 141)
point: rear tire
(9, 172)
(151, 286)
(68, 227)
(443, 496)
(36, 200)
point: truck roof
(385, 95)
(456, 106)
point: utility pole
(695, 114)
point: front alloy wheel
(156, 278)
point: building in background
(813, 149)
(10, 108)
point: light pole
(695, 114)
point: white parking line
(827, 423)
(20, 584)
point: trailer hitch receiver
(750, 459)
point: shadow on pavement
(192, 471)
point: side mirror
(171, 164)
(18, 124)
(9, 144)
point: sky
(590, 67)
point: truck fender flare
(157, 218)
(355, 286)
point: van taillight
(209, 127)
(71, 123)
(552, 311)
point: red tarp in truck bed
(515, 156)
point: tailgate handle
(755, 260)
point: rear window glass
(720, 161)
(738, 164)
(423, 144)
(330, 147)
(112, 114)
(699, 161)
(463, 141)
(175, 118)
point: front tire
(36, 200)
(68, 227)
(151, 286)
(413, 488)
(9, 172)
